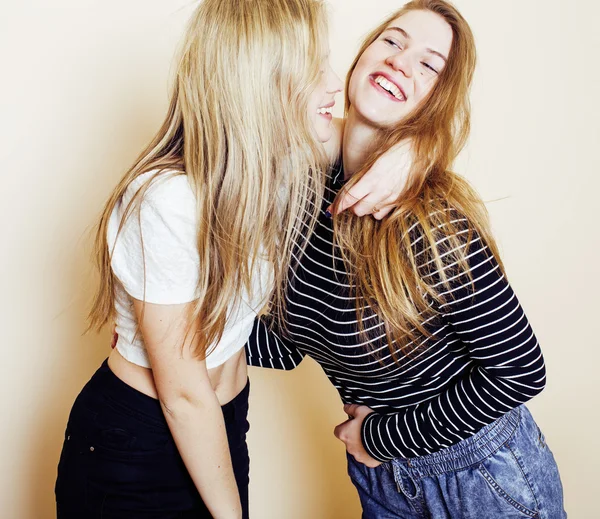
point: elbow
(531, 374)
(540, 383)
(538, 377)
(174, 407)
(181, 404)
(536, 388)
(524, 382)
(533, 383)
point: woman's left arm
(268, 349)
(507, 369)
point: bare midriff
(227, 380)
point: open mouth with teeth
(389, 87)
(325, 110)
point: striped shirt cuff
(374, 448)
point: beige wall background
(84, 85)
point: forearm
(504, 368)
(199, 431)
(190, 404)
(461, 410)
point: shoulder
(164, 198)
(160, 188)
(446, 238)
(437, 224)
(160, 205)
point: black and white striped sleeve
(507, 368)
(267, 349)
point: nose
(401, 62)
(334, 85)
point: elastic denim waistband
(467, 452)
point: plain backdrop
(84, 86)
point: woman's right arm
(155, 258)
(377, 192)
(190, 405)
(506, 367)
(267, 349)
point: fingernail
(328, 214)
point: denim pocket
(506, 478)
(118, 433)
(541, 438)
(120, 444)
(378, 491)
(134, 470)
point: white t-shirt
(160, 265)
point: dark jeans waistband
(119, 391)
(467, 452)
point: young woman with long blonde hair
(190, 245)
(412, 317)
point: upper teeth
(324, 111)
(390, 87)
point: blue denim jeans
(504, 471)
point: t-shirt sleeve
(155, 254)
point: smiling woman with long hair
(412, 317)
(191, 244)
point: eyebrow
(407, 36)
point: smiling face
(322, 101)
(399, 69)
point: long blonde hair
(401, 266)
(238, 127)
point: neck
(360, 140)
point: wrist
(232, 513)
(366, 437)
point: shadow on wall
(115, 138)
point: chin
(379, 114)
(376, 122)
(379, 118)
(324, 135)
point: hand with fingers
(349, 432)
(379, 189)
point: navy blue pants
(119, 460)
(504, 471)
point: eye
(392, 43)
(427, 65)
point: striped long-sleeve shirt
(481, 361)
